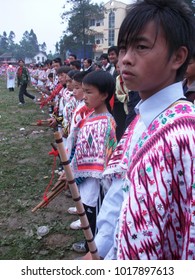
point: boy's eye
(122, 50)
(141, 47)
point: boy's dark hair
(173, 16)
(76, 63)
(113, 49)
(103, 81)
(73, 55)
(71, 73)
(98, 64)
(50, 75)
(58, 60)
(104, 56)
(48, 62)
(21, 60)
(63, 69)
(89, 60)
(78, 77)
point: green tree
(11, 44)
(27, 47)
(79, 18)
(43, 47)
(18, 52)
(4, 43)
(29, 44)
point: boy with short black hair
(151, 199)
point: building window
(99, 39)
(99, 23)
(111, 37)
(111, 26)
(92, 22)
(111, 23)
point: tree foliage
(29, 43)
(78, 33)
(27, 47)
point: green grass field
(25, 172)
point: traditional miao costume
(79, 114)
(42, 75)
(96, 140)
(60, 100)
(157, 220)
(11, 76)
(64, 97)
(68, 114)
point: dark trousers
(134, 98)
(120, 117)
(92, 212)
(23, 92)
(91, 215)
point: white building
(40, 57)
(108, 28)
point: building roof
(6, 55)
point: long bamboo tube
(76, 196)
(41, 123)
(56, 190)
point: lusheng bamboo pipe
(41, 123)
(76, 197)
(55, 191)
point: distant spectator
(113, 58)
(87, 65)
(23, 78)
(11, 76)
(106, 66)
(97, 66)
(72, 57)
(75, 65)
(56, 62)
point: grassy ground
(25, 171)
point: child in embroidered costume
(61, 98)
(155, 172)
(73, 119)
(95, 143)
(79, 113)
(11, 77)
(77, 101)
(69, 105)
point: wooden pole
(76, 196)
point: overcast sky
(43, 16)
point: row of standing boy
(82, 112)
(149, 204)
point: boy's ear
(104, 96)
(180, 57)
